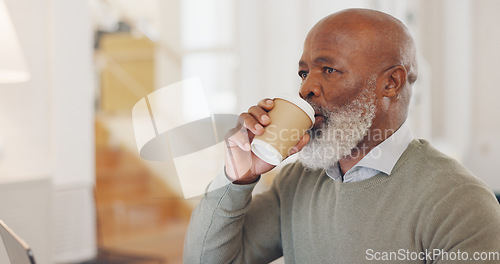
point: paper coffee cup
(291, 117)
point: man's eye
(329, 70)
(303, 74)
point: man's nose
(310, 87)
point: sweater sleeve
(229, 226)
(465, 226)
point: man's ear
(396, 80)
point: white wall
(71, 96)
(484, 151)
(445, 67)
(24, 119)
(71, 92)
(25, 127)
(47, 123)
(459, 51)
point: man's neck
(370, 141)
(346, 163)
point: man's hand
(242, 165)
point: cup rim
(266, 152)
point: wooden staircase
(129, 215)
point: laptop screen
(17, 250)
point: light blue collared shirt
(381, 158)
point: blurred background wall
(47, 162)
(91, 60)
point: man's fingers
(256, 118)
(266, 104)
(260, 115)
(238, 158)
(239, 138)
(251, 123)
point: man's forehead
(324, 37)
(328, 45)
(325, 57)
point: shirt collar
(382, 157)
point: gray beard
(342, 131)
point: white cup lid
(266, 152)
(301, 103)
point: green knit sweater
(429, 210)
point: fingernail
(265, 118)
(269, 102)
(258, 127)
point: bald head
(381, 38)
